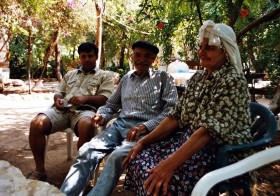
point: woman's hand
(159, 178)
(132, 153)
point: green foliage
(126, 21)
(120, 70)
(266, 55)
(51, 69)
(18, 57)
(44, 17)
(173, 17)
(18, 61)
(258, 47)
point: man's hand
(59, 104)
(97, 120)
(134, 133)
(78, 100)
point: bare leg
(86, 131)
(39, 126)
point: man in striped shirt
(143, 97)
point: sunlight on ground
(29, 157)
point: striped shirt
(148, 97)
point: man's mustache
(141, 63)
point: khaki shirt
(78, 83)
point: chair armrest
(225, 151)
(250, 163)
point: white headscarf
(217, 33)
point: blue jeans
(112, 171)
(92, 153)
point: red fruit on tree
(244, 13)
(160, 26)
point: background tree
(172, 26)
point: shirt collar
(149, 73)
(80, 70)
(217, 73)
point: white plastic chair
(250, 163)
(69, 137)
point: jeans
(112, 171)
(92, 153)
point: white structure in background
(180, 71)
(4, 75)
(4, 65)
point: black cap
(145, 44)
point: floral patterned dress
(218, 102)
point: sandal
(35, 175)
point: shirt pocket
(150, 98)
(71, 85)
(72, 81)
(92, 87)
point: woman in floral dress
(213, 111)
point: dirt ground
(17, 110)
(16, 113)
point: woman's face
(211, 57)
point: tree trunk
(275, 101)
(121, 62)
(28, 59)
(73, 53)
(102, 57)
(57, 63)
(9, 35)
(198, 12)
(99, 6)
(49, 50)
(233, 10)
(250, 50)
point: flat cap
(146, 45)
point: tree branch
(268, 17)
(233, 15)
(198, 12)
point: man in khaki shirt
(76, 99)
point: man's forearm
(96, 100)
